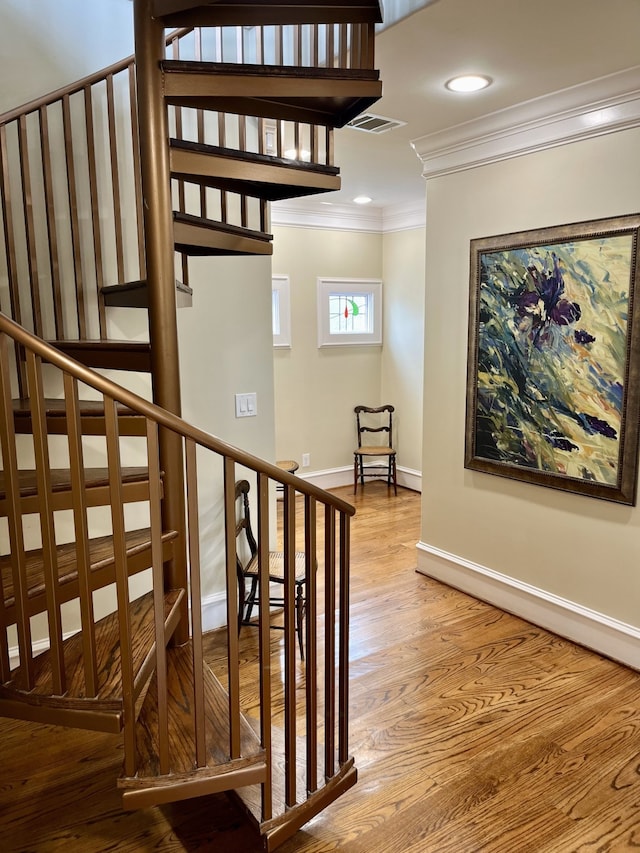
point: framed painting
(553, 379)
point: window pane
(350, 314)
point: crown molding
(595, 108)
(345, 217)
(336, 217)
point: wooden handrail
(166, 419)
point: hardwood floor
(472, 731)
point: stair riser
(99, 496)
(204, 241)
(181, 13)
(99, 579)
(271, 183)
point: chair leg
(355, 473)
(250, 600)
(300, 610)
(241, 597)
(395, 476)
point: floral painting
(553, 358)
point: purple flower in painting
(583, 337)
(560, 442)
(600, 426)
(542, 305)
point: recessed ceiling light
(468, 83)
(362, 199)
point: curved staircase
(211, 136)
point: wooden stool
(289, 465)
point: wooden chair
(247, 570)
(375, 420)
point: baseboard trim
(595, 631)
(333, 478)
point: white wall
(47, 45)
(317, 389)
(403, 335)
(584, 551)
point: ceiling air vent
(371, 123)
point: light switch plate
(246, 405)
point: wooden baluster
(52, 230)
(115, 180)
(356, 46)
(122, 584)
(29, 226)
(260, 45)
(155, 516)
(296, 38)
(95, 207)
(200, 126)
(330, 146)
(196, 603)
(278, 45)
(264, 641)
(73, 218)
(222, 141)
(289, 533)
(233, 655)
(49, 551)
(279, 139)
(10, 251)
(343, 645)
(329, 640)
(242, 144)
(331, 56)
(16, 530)
(314, 131)
(311, 650)
(315, 46)
(265, 217)
(81, 528)
(137, 170)
(343, 61)
(179, 134)
(296, 140)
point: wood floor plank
(472, 730)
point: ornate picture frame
(553, 371)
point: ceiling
(528, 48)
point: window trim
(280, 284)
(330, 286)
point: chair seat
(375, 451)
(276, 566)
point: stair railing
(303, 734)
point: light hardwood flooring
(472, 731)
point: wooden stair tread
(109, 694)
(135, 294)
(184, 779)
(288, 819)
(91, 417)
(61, 479)
(195, 235)
(117, 355)
(189, 13)
(323, 96)
(258, 175)
(101, 566)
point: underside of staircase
(101, 615)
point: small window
(349, 312)
(281, 311)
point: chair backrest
(372, 420)
(243, 524)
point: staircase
(101, 604)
